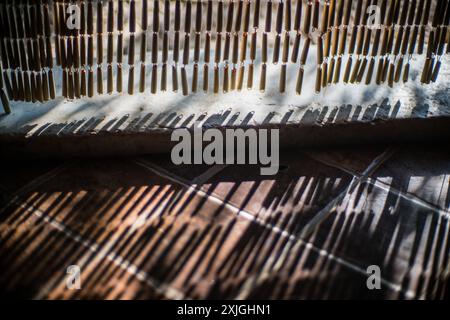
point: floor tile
(375, 226)
(127, 210)
(220, 260)
(187, 172)
(137, 234)
(353, 160)
(287, 200)
(186, 241)
(35, 256)
(111, 285)
(422, 172)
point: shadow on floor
(138, 234)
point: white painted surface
(411, 99)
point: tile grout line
(327, 210)
(213, 197)
(380, 184)
(52, 173)
(291, 237)
(332, 165)
(208, 174)
(122, 263)
(312, 225)
(410, 197)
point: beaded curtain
(82, 48)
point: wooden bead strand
(207, 50)
(165, 50)
(131, 45)
(176, 45)
(267, 30)
(253, 43)
(186, 49)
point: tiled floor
(143, 228)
